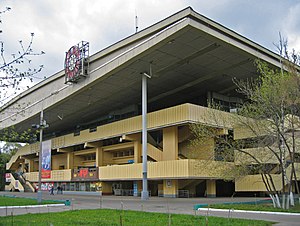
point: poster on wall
(45, 186)
(7, 177)
(46, 159)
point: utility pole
(41, 127)
(145, 193)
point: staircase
(14, 185)
(26, 184)
(154, 152)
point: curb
(267, 200)
(247, 211)
(31, 206)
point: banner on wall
(7, 177)
(46, 159)
(44, 186)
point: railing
(127, 192)
(123, 192)
(56, 175)
(183, 193)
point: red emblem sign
(72, 63)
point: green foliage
(269, 118)
(112, 217)
(274, 93)
(12, 135)
(7, 151)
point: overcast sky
(60, 24)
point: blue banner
(46, 159)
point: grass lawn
(258, 207)
(9, 201)
(118, 217)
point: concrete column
(21, 167)
(35, 166)
(137, 151)
(99, 156)
(70, 160)
(170, 188)
(211, 189)
(160, 189)
(170, 143)
(106, 188)
(30, 166)
(137, 187)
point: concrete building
(95, 123)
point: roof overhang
(189, 54)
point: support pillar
(211, 188)
(170, 143)
(70, 160)
(170, 188)
(30, 166)
(137, 151)
(106, 188)
(137, 188)
(145, 193)
(99, 156)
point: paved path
(154, 204)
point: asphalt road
(154, 204)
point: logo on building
(77, 62)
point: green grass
(10, 201)
(117, 217)
(258, 207)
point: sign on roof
(77, 62)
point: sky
(60, 24)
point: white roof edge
(53, 77)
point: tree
(6, 152)
(269, 119)
(16, 68)
(274, 101)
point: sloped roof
(189, 55)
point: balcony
(56, 175)
(255, 182)
(176, 169)
(181, 114)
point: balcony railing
(177, 169)
(56, 175)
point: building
(95, 123)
